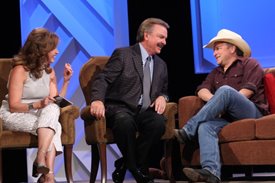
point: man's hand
(205, 94)
(97, 109)
(160, 105)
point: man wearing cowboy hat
(233, 90)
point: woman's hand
(45, 102)
(68, 72)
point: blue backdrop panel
(86, 28)
(251, 19)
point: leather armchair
(12, 140)
(98, 136)
(245, 143)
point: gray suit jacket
(119, 85)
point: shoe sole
(192, 175)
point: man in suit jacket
(117, 94)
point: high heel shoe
(38, 168)
(41, 179)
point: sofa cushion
(240, 130)
(269, 83)
(265, 127)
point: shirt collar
(144, 53)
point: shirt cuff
(166, 98)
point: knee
(123, 122)
(226, 89)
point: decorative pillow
(269, 83)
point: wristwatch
(30, 106)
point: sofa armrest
(188, 107)
(67, 118)
(269, 70)
(95, 130)
(170, 113)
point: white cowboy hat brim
(228, 36)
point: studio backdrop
(251, 19)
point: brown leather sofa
(14, 140)
(248, 143)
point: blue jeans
(207, 123)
